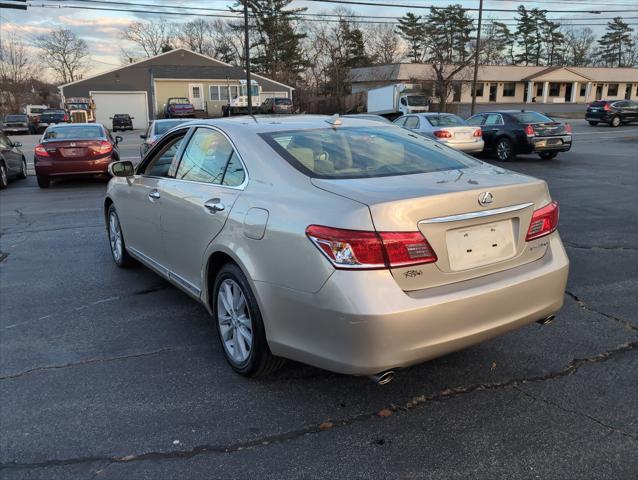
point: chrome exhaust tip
(546, 321)
(383, 378)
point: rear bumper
(48, 167)
(362, 323)
(598, 117)
(475, 146)
(558, 143)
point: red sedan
(79, 149)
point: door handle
(214, 205)
(154, 195)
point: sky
(102, 30)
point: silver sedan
(343, 243)
(445, 128)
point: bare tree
(16, 70)
(227, 42)
(64, 53)
(151, 38)
(579, 46)
(196, 36)
(383, 44)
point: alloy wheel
(3, 176)
(233, 317)
(115, 236)
(503, 150)
(23, 171)
(615, 122)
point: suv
(122, 121)
(613, 112)
(276, 105)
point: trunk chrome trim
(472, 215)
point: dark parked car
(276, 105)
(12, 161)
(52, 116)
(613, 112)
(16, 124)
(179, 107)
(507, 133)
(79, 149)
(155, 130)
(122, 121)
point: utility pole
(476, 57)
(248, 82)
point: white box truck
(396, 100)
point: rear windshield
(16, 118)
(163, 127)
(73, 132)
(531, 117)
(120, 115)
(283, 101)
(178, 101)
(53, 112)
(37, 110)
(363, 152)
(446, 121)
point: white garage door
(108, 104)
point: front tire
(240, 326)
(615, 122)
(43, 181)
(504, 150)
(548, 155)
(23, 169)
(4, 178)
(116, 240)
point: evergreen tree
(612, 45)
(497, 46)
(554, 41)
(355, 47)
(528, 32)
(412, 30)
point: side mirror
(143, 137)
(118, 139)
(17, 144)
(123, 168)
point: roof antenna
(334, 120)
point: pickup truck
(51, 117)
(177, 107)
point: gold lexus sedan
(343, 243)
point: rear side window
(360, 152)
(476, 120)
(531, 117)
(412, 122)
(446, 121)
(493, 119)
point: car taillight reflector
(349, 249)
(101, 148)
(544, 221)
(41, 151)
(478, 132)
(529, 131)
(442, 134)
(568, 128)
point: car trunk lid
(548, 129)
(77, 149)
(469, 239)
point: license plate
(554, 141)
(72, 152)
(481, 245)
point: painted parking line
(622, 132)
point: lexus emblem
(485, 199)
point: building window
(234, 92)
(554, 89)
(539, 89)
(214, 92)
(583, 89)
(223, 92)
(509, 89)
(480, 86)
(612, 89)
(456, 89)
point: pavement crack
(571, 368)
(625, 323)
(600, 247)
(89, 362)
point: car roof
(435, 114)
(69, 125)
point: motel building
(511, 83)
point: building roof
(497, 73)
(211, 72)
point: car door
(10, 154)
(139, 203)
(197, 201)
(491, 126)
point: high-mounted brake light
(41, 151)
(356, 249)
(544, 221)
(442, 134)
(478, 132)
(529, 131)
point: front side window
(363, 152)
(400, 121)
(160, 164)
(205, 158)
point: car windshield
(178, 101)
(37, 110)
(16, 118)
(282, 101)
(363, 152)
(531, 117)
(77, 106)
(446, 121)
(73, 132)
(163, 127)
(416, 100)
(120, 115)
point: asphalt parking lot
(115, 374)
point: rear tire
(548, 155)
(116, 240)
(240, 326)
(23, 169)
(4, 179)
(615, 121)
(504, 150)
(593, 124)
(43, 181)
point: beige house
(511, 83)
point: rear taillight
(101, 148)
(41, 151)
(66, 118)
(568, 128)
(350, 249)
(478, 132)
(273, 109)
(529, 131)
(607, 107)
(442, 134)
(544, 221)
